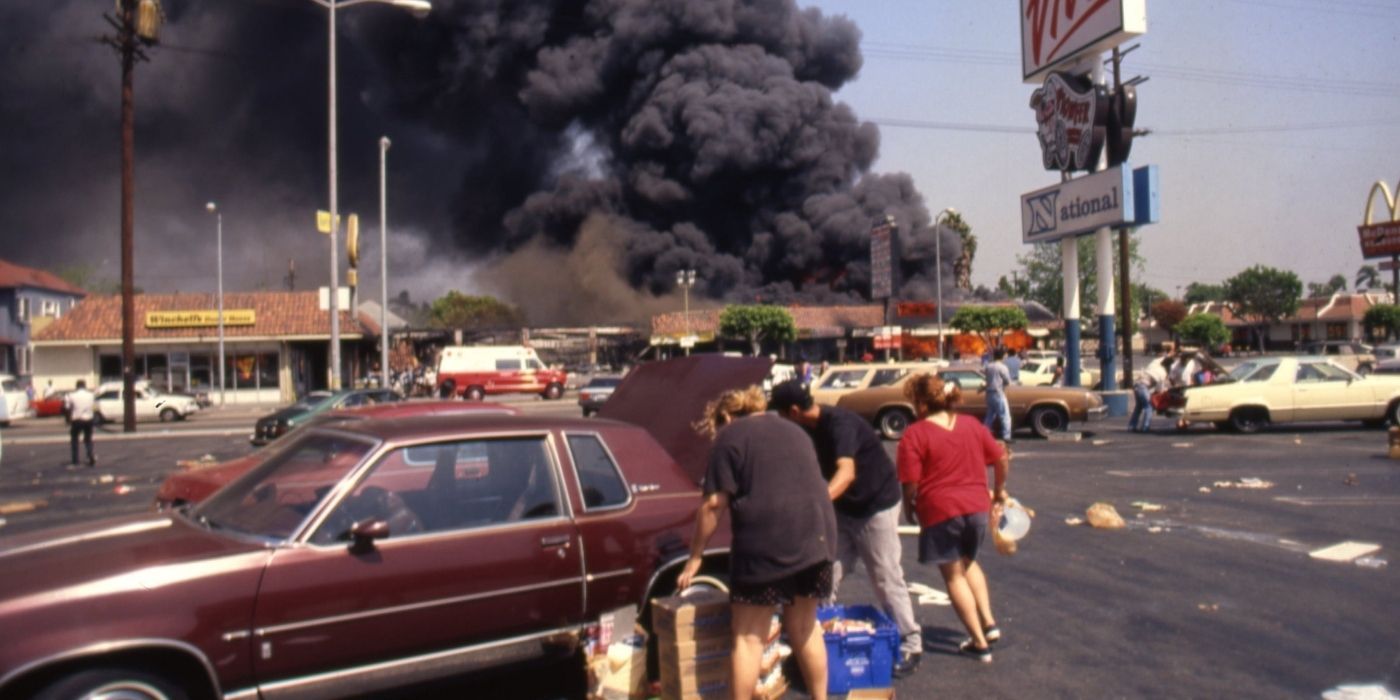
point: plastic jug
(1015, 521)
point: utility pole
(137, 25)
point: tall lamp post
(384, 261)
(219, 238)
(938, 268)
(418, 8)
(685, 279)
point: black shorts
(812, 582)
(953, 539)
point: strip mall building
(276, 344)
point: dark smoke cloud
(703, 132)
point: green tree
(990, 323)
(1263, 295)
(962, 266)
(756, 323)
(1040, 271)
(1382, 321)
(1169, 313)
(1206, 330)
(1367, 277)
(1337, 283)
(1200, 293)
(458, 310)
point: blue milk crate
(859, 660)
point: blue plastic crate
(859, 660)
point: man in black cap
(865, 490)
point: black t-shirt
(841, 433)
(779, 511)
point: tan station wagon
(839, 380)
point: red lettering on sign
(1045, 15)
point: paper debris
(1204, 489)
(1073, 521)
(1345, 551)
(927, 595)
(1351, 480)
(1182, 444)
(1208, 607)
(1245, 483)
(105, 479)
(1154, 529)
(2, 522)
(122, 489)
(1357, 691)
(1148, 506)
(1101, 443)
(1104, 516)
(1371, 562)
(13, 507)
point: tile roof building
(29, 300)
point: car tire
(1045, 420)
(168, 414)
(893, 422)
(115, 683)
(474, 393)
(1393, 413)
(552, 392)
(1248, 420)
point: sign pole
(1069, 263)
(1103, 249)
(1394, 277)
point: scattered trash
(1065, 436)
(1148, 506)
(22, 506)
(122, 489)
(1356, 691)
(2, 522)
(1208, 607)
(1073, 521)
(1297, 441)
(1101, 443)
(1154, 529)
(1345, 551)
(105, 479)
(1371, 562)
(1204, 489)
(928, 595)
(1104, 516)
(1182, 444)
(1351, 480)
(1245, 483)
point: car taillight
(585, 396)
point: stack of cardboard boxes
(694, 644)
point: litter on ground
(928, 595)
(1073, 521)
(1182, 444)
(1148, 506)
(1245, 483)
(1104, 516)
(1345, 551)
(1358, 691)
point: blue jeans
(998, 409)
(1142, 409)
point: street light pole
(384, 260)
(685, 279)
(419, 8)
(219, 238)
(938, 269)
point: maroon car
(369, 554)
(196, 483)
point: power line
(1173, 133)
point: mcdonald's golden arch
(199, 318)
(1381, 240)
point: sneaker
(967, 648)
(993, 634)
(907, 664)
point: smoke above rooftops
(688, 134)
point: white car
(1294, 389)
(1042, 373)
(14, 402)
(151, 404)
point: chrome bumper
(1097, 413)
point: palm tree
(1367, 276)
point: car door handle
(554, 541)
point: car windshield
(272, 500)
(1253, 371)
(311, 401)
(603, 383)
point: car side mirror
(364, 533)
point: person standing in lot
(1145, 382)
(998, 378)
(864, 488)
(79, 403)
(1013, 365)
(764, 473)
(943, 459)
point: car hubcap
(126, 690)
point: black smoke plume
(702, 133)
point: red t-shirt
(949, 467)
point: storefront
(275, 345)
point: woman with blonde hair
(763, 471)
(942, 462)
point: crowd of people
(1155, 385)
(810, 494)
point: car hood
(198, 482)
(666, 398)
(144, 551)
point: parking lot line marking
(1310, 501)
(1235, 472)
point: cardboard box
(695, 679)
(708, 648)
(871, 694)
(699, 616)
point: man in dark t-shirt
(864, 488)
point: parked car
(194, 484)
(151, 404)
(14, 401)
(1356, 357)
(475, 372)
(51, 406)
(1044, 410)
(369, 555)
(1042, 373)
(1389, 351)
(1294, 389)
(596, 393)
(839, 380)
(278, 423)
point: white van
(14, 401)
(476, 371)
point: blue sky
(1273, 119)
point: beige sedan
(1044, 410)
(1294, 389)
(839, 380)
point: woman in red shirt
(943, 459)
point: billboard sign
(1070, 114)
(200, 318)
(1381, 240)
(1056, 32)
(882, 245)
(1079, 206)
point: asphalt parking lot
(1214, 594)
